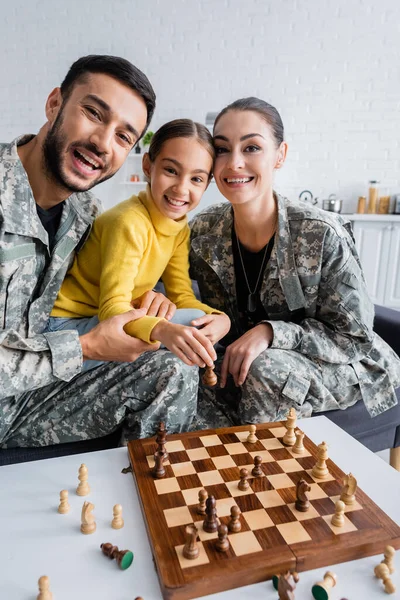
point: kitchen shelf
(133, 183)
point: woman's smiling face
(246, 155)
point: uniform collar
(162, 224)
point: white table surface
(35, 540)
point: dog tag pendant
(251, 303)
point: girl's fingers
(202, 320)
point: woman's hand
(188, 343)
(214, 326)
(155, 304)
(239, 355)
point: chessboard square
(346, 528)
(348, 507)
(228, 438)
(230, 474)
(307, 462)
(293, 533)
(191, 443)
(270, 538)
(248, 503)
(210, 440)
(280, 514)
(198, 453)
(280, 481)
(329, 477)
(270, 498)
(192, 495)
(166, 486)
(258, 519)
(223, 462)
(324, 506)
(203, 535)
(290, 466)
(186, 563)
(217, 451)
(280, 454)
(210, 478)
(316, 492)
(236, 448)
(151, 462)
(297, 475)
(278, 432)
(178, 516)
(224, 506)
(178, 457)
(272, 444)
(260, 484)
(244, 542)
(304, 454)
(184, 468)
(264, 434)
(202, 465)
(243, 435)
(332, 488)
(363, 519)
(242, 459)
(189, 481)
(271, 468)
(234, 490)
(318, 530)
(311, 513)
(265, 455)
(174, 446)
(219, 491)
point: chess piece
(124, 558)
(190, 549)
(289, 438)
(338, 518)
(161, 438)
(382, 572)
(201, 508)
(210, 524)
(275, 579)
(302, 503)
(252, 438)
(287, 585)
(117, 522)
(234, 524)
(321, 589)
(298, 447)
(349, 488)
(64, 506)
(88, 524)
(388, 560)
(320, 470)
(44, 589)
(243, 484)
(158, 470)
(209, 377)
(83, 488)
(257, 470)
(222, 544)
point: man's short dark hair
(118, 68)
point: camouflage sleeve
(342, 330)
(30, 363)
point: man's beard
(54, 147)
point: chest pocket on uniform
(14, 267)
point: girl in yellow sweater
(141, 240)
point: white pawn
(382, 572)
(83, 488)
(117, 522)
(298, 448)
(289, 438)
(252, 438)
(338, 517)
(44, 589)
(389, 557)
(64, 507)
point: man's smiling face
(92, 132)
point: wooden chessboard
(274, 535)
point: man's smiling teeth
(175, 202)
(90, 160)
(237, 180)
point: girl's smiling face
(179, 175)
(246, 156)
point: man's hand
(239, 355)
(214, 327)
(155, 304)
(108, 340)
(188, 343)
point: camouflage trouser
(156, 387)
(277, 380)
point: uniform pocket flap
(350, 279)
(296, 388)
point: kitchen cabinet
(378, 246)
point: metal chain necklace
(252, 296)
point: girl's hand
(188, 343)
(155, 304)
(239, 355)
(214, 327)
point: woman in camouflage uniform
(289, 277)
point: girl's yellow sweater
(131, 246)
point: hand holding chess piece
(83, 488)
(88, 524)
(44, 589)
(322, 589)
(209, 377)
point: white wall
(330, 67)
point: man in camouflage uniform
(101, 110)
(324, 353)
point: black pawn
(234, 524)
(257, 470)
(210, 524)
(222, 544)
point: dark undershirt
(50, 220)
(252, 263)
